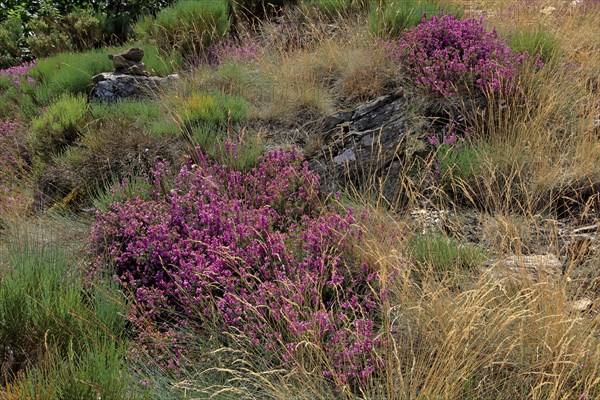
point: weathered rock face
(130, 78)
(112, 86)
(363, 146)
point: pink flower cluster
(18, 73)
(240, 52)
(254, 251)
(445, 55)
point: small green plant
(58, 127)
(213, 108)
(445, 254)
(115, 191)
(331, 8)
(68, 73)
(538, 43)
(11, 32)
(187, 26)
(390, 18)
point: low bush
(392, 17)
(186, 27)
(446, 56)
(213, 108)
(14, 162)
(253, 253)
(47, 318)
(68, 73)
(539, 43)
(11, 34)
(73, 72)
(58, 127)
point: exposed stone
(363, 146)
(124, 66)
(581, 304)
(534, 267)
(112, 86)
(134, 54)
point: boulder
(134, 54)
(363, 146)
(535, 267)
(113, 86)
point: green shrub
(73, 72)
(58, 127)
(331, 8)
(187, 26)
(47, 39)
(64, 339)
(213, 108)
(68, 73)
(11, 33)
(391, 17)
(445, 254)
(539, 42)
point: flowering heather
(254, 250)
(18, 73)
(218, 53)
(443, 55)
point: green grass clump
(115, 191)
(538, 42)
(213, 108)
(65, 340)
(390, 18)
(331, 8)
(445, 254)
(68, 73)
(73, 72)
(58, 127)
(186, 27)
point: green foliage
(213, 108)
(458, 162)
(73, 72)
(158, 62)
(187, 26)
(445, 254)
(539, 42)
(331, 8)
(68, 73)
(11, 32)
(64, 336)
(391, 17)
(115, 191)
(58, 127)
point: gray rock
(113, 86)
(534, 267)
(363, 146)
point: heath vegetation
(185, 246)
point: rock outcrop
(364, 146)
(113, 86)
(129, 78)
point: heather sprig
(18, 74)
(252, 250)
(446, 56)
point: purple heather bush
(238, 52)
(254, 251)
(446, 56)
(18, 74)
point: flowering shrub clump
(252, 251)
(17, 74)
(237, 52)
(444, 55)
